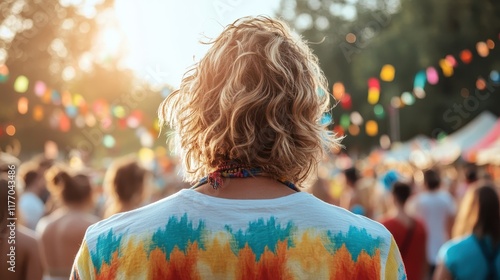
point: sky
(162, 36)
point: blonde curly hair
(257, 97)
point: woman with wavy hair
(475, 254)
(247, 123)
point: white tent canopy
(471, 133)
(489, 156)
(451, 147)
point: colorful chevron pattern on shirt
(186, 248)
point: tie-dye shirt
(190, 235)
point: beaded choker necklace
(235, 170)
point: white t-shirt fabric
(197, 236)
(435, 209)
(31, 208)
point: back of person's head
(431, 179)
(126, 180)
(68, 189)
(487, 203)
(31, 178)
(257, 98)
(401, 192)
(479, 212)
(351, 175)
(471, 174)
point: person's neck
(127, 206)
(433, 190)
(75, 207)
(258, 187)
(399, 214)
(34, 191)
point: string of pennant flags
(71, 109)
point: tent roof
(474, 131)
(490, 155)
(487, 141)
(450, 148)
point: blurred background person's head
(126, 183)
(33, 179)
(351, 176)
(479, 213)
(400, 194)
(73, 191)
(474, 253)
(432, 180)
(487, 210)
(471, 174)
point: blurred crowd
(56, 201)
(439, 217)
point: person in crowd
(43, 164)
(465, 219)
(436, 208)
(471, 175)
(125, 184)
(62, 231)
(476, 255)
(320, 190)
(470, 178)
(348, 199)
(409, 233)
(27, 262)
(246, 118)
(31, 205)
(357, 196)
(169, 188)
(381, 193)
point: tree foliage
(60, 43)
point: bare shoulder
(27, 236)
(79, 222)
(67, 225)
(27, 241)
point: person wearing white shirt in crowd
(436, 208)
